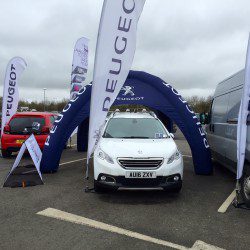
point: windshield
(144, 128)
(26, 125)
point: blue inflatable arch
(140, 88)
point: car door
(231, 128)
(217, 127)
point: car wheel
(245, 189)
(6, 153)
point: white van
(222, 128)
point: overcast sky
(191, 44)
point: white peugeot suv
(137, 151)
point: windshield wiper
(135, 137)
(107, 135)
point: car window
(26, 125)
(144, 128)
(52, 119)
(234, 105)
(220, 108)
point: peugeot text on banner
(242, 118)
(114, 56)
(14, 70)
(79, 65)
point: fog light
(176, 178)
(103, 178)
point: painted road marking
(188, 156)
(223, 208)
(68, 162)
(61, 215)
(200, 245)
(72, 145)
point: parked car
(137, 151)
(21, 125)
(24, 109)
(222, 128)
(0, 121)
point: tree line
(40, 106)
(198, 104)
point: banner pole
(237, 191)
(106, 55)
(91, 99)
(87, 177)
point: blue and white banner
(35, 152)
(114, 56)
(79, 65)
(14, 69)
(242, 118)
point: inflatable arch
(140, 88)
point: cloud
(191, 44)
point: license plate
(140, 174)
(20, 141)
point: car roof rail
(113, 113)
(152, 113)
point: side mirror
(6, 129)
(208, 119)
(172, 135)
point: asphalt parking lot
(180, 220)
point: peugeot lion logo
(128, 90)
(139, 151)
(128, 93)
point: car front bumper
(116, 175)
(115, 182)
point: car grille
(141, 183)
(140, 163)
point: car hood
(138, 148)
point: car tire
(245, 189)
(5, 153)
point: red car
(21, 125)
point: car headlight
(104, 156)
(174, 156)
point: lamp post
(44, 98)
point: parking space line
(223, 208)
(61, 215)
(68, 162)
(188, 156)
(64, 216)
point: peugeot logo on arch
(128, 90)
(128, 93)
